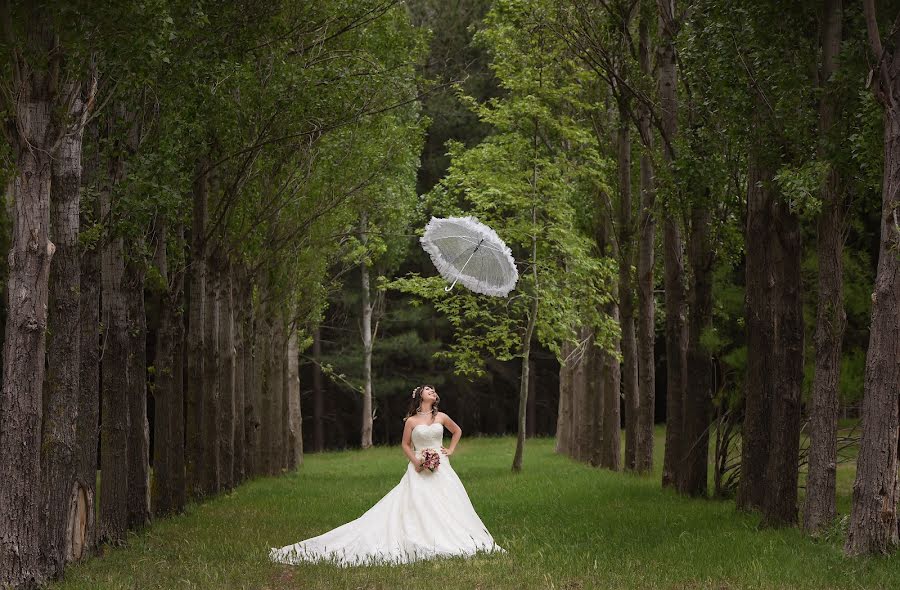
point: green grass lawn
(565, 525)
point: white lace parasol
(467, 251)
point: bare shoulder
(442, 418)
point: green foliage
(803, 186)
(528, 179)
(402, 354)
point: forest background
(213, 222)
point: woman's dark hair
(417, 399)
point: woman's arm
(454, 429)
(406, 444)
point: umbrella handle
(453, 284)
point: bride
(428, 514)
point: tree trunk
(210, 416)
(531, 420)
(771, 433)
(526, 348)
(226, 379)
(263, 359)
(252, 383)
(757, 394)
(61, 491)
(114, 373)
(610, 440)
(318, 394)
(873, 517)
(88, 424)
(195, 333)
(597, 382)
(523, 388)
(275, 383)
(819, 508)
(285, 421)
(265, 354)
(564, 418)
(646, 336)
(676, 345)
(696, 411)
(782, 472)
(168, 394)
(581, 397)
(609, 412)
(626, 288)
(27, 292)
(292, 390)
(138, 427)
(676, 348)
(161, 489)
(240, 359)
(367, 341)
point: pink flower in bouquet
(430, 459)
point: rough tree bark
(564, 423)
(873, 517)
(531, 420)
(757, 397)
(819, 508)
(318, 394)
(114, 371)
(209, 423)
(27, 293)
(782, 471)
(89, 366)
(597, 381)
(676, 355)
(168, 393)
(626, 288)
(581, 406)
(285, 416)
(251, 386)
(295, 441)
(62, 494)
(240, 345)
(226, 377)
(696, 411)
(275, 382)
(138, 426)
(774, 324)
(195, 331)
(643, 461)
(610, 439)
(366, 432)
(609, 445)
(262, 405)
(265, 352)
(526, 348)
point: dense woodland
(213, 211)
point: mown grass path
(565, 525)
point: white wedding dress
(428, 514)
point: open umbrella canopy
(466, 251)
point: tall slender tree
(33, 133)
(819, 507)
(87, 428)
(646, 331)
(873, 517)
(62, 494)
(116, 367)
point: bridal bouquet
(430, 459)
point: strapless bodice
(426, 436)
